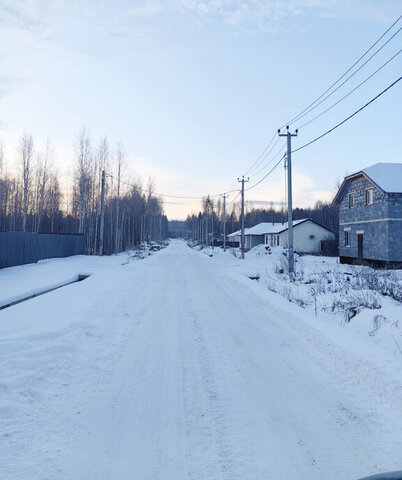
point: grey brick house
(370, 215)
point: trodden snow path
(174, 370)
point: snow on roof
(238, 232)
(388, 176)
(269, 227)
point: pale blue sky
(195, 89)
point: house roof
(269, 227)
(386, 176)
(238, 232)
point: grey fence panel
(19, 248)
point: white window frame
(352, 196)
(372, 196)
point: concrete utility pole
(224, 220)
(212, 227)
(102, 214)
(242, 215)
(290, 211)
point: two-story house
(370, 215)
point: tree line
(34, 199)
(207, 226)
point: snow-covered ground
(181, 367)
(360, 299)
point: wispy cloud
(272, 14)
(265, 203)
(23, 14)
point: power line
(346, 80)
(257, 162)
(347, 95)
(137, 187)
(327, 132)
(279, 151)
(234, 199)
(263, 159)
(298, 116)
(349, 117)
(269, 173)
(254, 165)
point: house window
(347, 238)
(351, 200)
(369, 196)
(311, 237)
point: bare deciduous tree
(26, 151)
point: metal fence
(19, 248)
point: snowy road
(186, 373)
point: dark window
(360, 245)
(351, 200)
(347, 238)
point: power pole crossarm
(290, 211)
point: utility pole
(242, 215)
(290, 211)
(224, 196)
(102, 214)
(212, 226)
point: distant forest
(32, 199)
(210, 218)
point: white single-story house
(307, 235)
(236, 236)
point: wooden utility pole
(242, 248)
(102, 214)
(290, 211)
(224, 196)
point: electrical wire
(308, 109)
(137, 187)
(235, 198)
(265, 176)
(278, 152)
(264, 155)
(254, 165)
(263, 159)
(347, 95)
(298, 116)
(349, 117)
(283, 156)
(348, 78)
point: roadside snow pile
(17, 283)
(144, 250)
